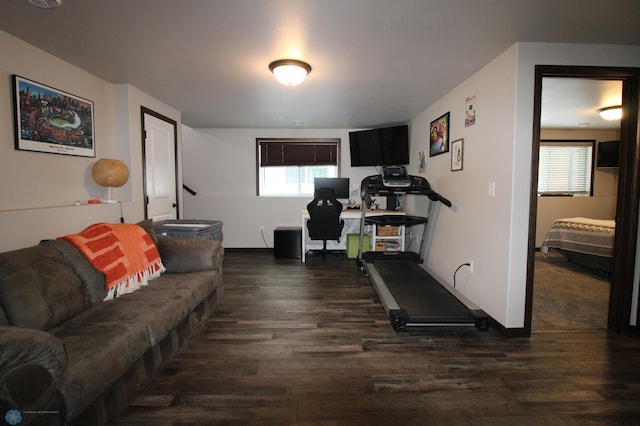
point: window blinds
(289, 153)
(565, 167)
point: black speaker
(287, 242)
(392, 199)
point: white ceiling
(374, 62)
(570, 103)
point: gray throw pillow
(147, 225)
(180, 255)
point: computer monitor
(340, 186)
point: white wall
(38, 191)
(220, 165)
(477, 226)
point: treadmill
(412, 297)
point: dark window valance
(298, 153)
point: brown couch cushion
(103, 342)
(180, 255)
(38, 288)
(93, 281)
(20, 346)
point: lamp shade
(290, 72)
(110, 173)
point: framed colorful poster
(50, 120)
(439, 136)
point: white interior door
(160, 167)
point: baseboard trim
(509, 332)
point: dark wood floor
(309, 344)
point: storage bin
(387, 230)
(353, 242)
(190, 228)
(392, 245)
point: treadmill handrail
(437, 197)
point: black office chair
(324, 219)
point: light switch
(492, 188)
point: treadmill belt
(419, 293)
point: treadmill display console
(395, 176)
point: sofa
(67, 355)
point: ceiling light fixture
(610, 112)
(290, 72)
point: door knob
(174, 205)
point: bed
(584, 240)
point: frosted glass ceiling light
(611, 112)
(290, 72)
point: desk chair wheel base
(314, 255)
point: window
(566, 168)
(288, 167)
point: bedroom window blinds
(288, 167)
(565, 168)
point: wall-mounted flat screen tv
(608, 154)
(388, 146)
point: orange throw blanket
(123, 252)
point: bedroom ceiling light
(610, 112)
(290, 72)
(111, 174)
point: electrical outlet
(470, 262)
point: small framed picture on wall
(456, 155)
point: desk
(351, 226)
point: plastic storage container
(190, 228)
(353, 242)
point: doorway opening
(623, 295)
(160, 167)
(576, 205)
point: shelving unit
(387, 237)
